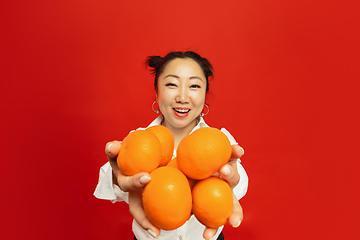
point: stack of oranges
(185, 184)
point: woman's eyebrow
(196, 77)
(171, 75)
(176, 76)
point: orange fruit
(203, 153)
(167, 198)
(167, 142)
(140, 152)
(212, 202)
(173, 163)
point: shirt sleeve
(241, 188)
(105, 188)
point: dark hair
(158, 64)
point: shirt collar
(201, 122)
(157, 121)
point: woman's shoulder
(229, 136)
(232, 140)
(155, 122)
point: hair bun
(154, 61)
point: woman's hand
(132, 184)
(230, 174)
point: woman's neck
(180, 133)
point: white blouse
(192, 229)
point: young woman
(181, 84)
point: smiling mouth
(181, 111)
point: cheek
(164, 97)
(198, 98)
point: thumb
(237, 152)
(209, 233)
(131, 183)
(112, 149)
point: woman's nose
(183, 95)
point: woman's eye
(195, 86)
(170, 85)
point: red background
(286, 73)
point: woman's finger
(236, 216)
(112, 149)
(237, 152)
(230, 174)
(209, 233)
(131, 183)
(137, 211)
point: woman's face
(181, 93)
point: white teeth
(182, 110)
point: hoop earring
(203, 114)
(152, 106)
